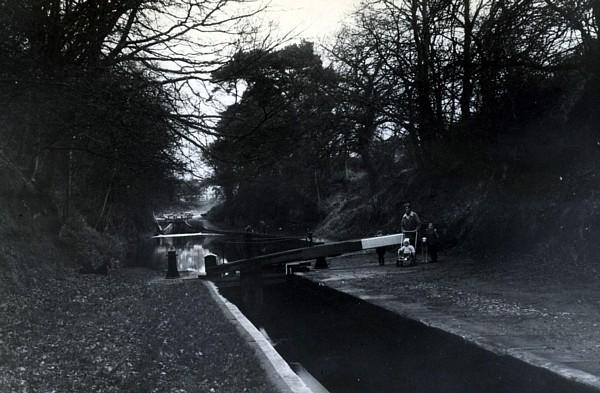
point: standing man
(410, 224)
(309, 238)
(433, 241)
(380, 251)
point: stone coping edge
(277, 369)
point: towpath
(545, 317)
(128, 332)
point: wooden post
(172, 271)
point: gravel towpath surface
(546, 317)
(129, 332)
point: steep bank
(536, 197)
(29, 227)
(544, 217)
(35, 241)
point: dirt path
(127, 332)
(517, 308)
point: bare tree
(363, 89)
(109, 91)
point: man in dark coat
(433, 241)
(380, 251)
(410, 224)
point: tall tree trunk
(106, 197)
(365, 138)
(367, 160)
(425, 112)
(317, 188)
(467, 62)
(68, 185)
(596, 45)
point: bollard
(321, 263)
(172, 271)
(210, 262)
(309, 238)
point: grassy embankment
(65, 331)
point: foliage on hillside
(484, 114)
(36, 243)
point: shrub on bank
(93, 251)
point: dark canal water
(351, 346)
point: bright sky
(311, 19)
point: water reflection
(192, 251)
(190, 254)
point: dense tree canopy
(426, 84)
(274, 148)
(99, 98)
